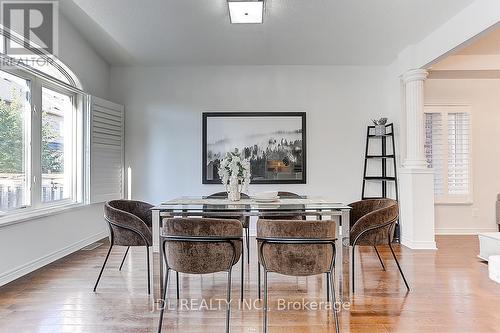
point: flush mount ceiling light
(246, 11)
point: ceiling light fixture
(246, 11)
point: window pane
(57, 111)
(14, 134)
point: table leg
(344, 259)
(157, 257)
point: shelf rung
(380, 178)
(380, 156)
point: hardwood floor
(450, 292)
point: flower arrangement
(234, 171)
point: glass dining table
(310, 207)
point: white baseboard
(463, 231)
(416, 245)
(31, 266)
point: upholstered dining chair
(372, 223)
(245, 220)
(284, 195)
(129, 225)
(201, 246)
(297, 248)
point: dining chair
(372, 223)
(285, 195)
(245, 220)
(201, 246)
(297, 248)
(129, 225)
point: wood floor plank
(450, 292)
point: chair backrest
(373, 221)
(202, 257)
(129, 222)
(286, 195)
(296, 259)
(223, 195)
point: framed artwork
(274, 142)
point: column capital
(415, 75)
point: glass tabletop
(252, 204)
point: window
(41, 143)
(447, 150)
(57, 145)
(14, 141)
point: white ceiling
(295, 32)
(489, 44)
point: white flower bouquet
(234, 171)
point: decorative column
(416, 179)
(414, 106)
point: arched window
(41, 159)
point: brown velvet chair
(129, 225)
(201, 246)
(297, 248)
(245, 220)
(285, 195)
(372, 223)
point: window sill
(30, 214)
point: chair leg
(327, 288)
(165, 287)
(149, 274)
(178, 284)
(242, 285)
(102, 268)
(265, 301)
(258, 279)
(124, 257)
(379, 258)
(352, 273)
(247, 234)
(399, 267)
(228, 300)
(330, 277)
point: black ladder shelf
(384, 178)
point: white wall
(483, 97)
(31, 244)
(163, 121)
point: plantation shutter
(434, 149)
(447, 150)
(106, 150)
(458, 154)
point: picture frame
(275, 143)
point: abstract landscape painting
(273, 141)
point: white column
(416, 179)
(414, 106)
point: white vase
(234, 193)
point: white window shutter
(447, 150)
(458, 153)
(106, 151)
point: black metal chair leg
(379, 257)
(242, 287)
(102, 268)
(334, 297)
(124, 257)
(265, 301)
(178, 286)
(164, 305)
(327, 288)
(149, 274)
(352, 273)
(247, 234)
(228, 310)
(399, 267)
(258, 279)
